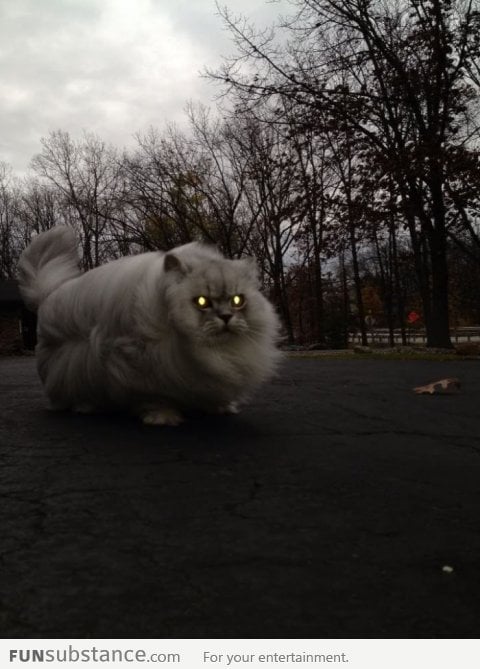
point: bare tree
(86, 177)
(401, 75)
(9, 246)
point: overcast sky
(113, 67)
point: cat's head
(212, 300)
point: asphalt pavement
(338, 505)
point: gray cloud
(108, 66)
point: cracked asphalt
(329, 508)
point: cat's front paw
(163, 416)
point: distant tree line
(344, 156)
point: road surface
(339, 505)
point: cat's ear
(171, 263)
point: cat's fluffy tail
(49, 260)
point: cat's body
(154, 334)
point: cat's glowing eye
(202, 302)
(237, 301)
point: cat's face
(213, 300)
(220, 313)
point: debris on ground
(441, 387)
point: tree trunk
(396, 280)
(318, 283)
(438, 325)
(358, 286)
(346, 299)
(386, 289)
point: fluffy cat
(155, 334)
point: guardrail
(460, 335)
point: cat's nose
(225, 317)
